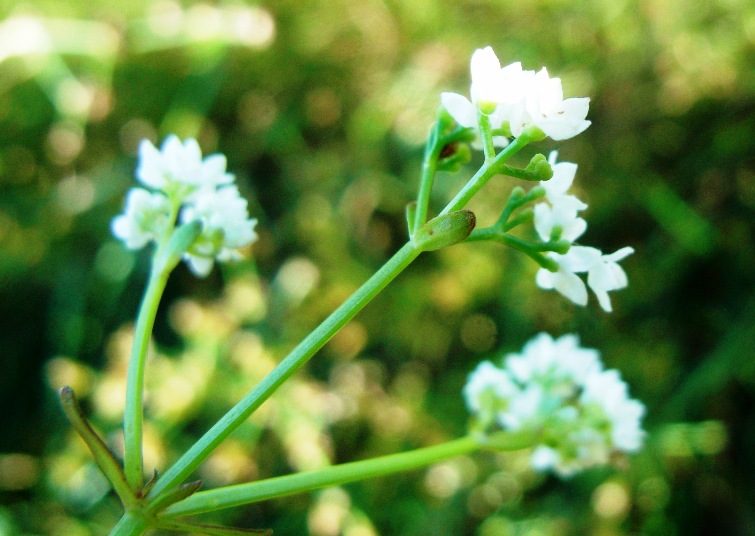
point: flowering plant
(554, 399)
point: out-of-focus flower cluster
(557, 219)
(581, 412)
(183, 187)
(515, 99)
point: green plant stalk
(190, 460)
(533, 251)
(129, 525)
(484, 174)
(486, 135)
(133, 415)
(427, 177)
(207, 501)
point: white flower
(544, 107)
(513, 97)
(557, 186)
(178, 168)
(565, 280)
(563, 218)
(146, 217)
(226, 227)
(603, 274)
(582, 413)
(465, 114)
(561, 358)
(609, 392)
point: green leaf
(102, 455)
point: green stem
(486, 136)
(429, 163)
(133, 415)
(533, 251)
(293, 362)
(129, 525)
(206, 501)
(484, 174)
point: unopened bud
(445, 230)
(540, 168)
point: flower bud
(453, 157)
(540, 168)
(180, 242)
(445, 230)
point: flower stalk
(206, 501)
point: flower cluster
(557, 219)
(582, 413)
(184, 187)
(515, 99)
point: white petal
(200, 266)
(620, 254)
(459, 107)
(571, 286)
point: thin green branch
(187, 463)
(133, 415)
(484, 174)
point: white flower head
(583, 413)
(226, 227)
(178, 168)
(145, 218)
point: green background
(322, 109)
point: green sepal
(102, 455)
(533, 133)
(148, 486)
(444, 230)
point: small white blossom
(565, 280)
(198, 190)
(179, 167)
(549, 218)
(606, 275)
(517, 98)
(583, 413)
(225, 227)
(544, 107)
(145, 218)
(603, 274)
(557, 186)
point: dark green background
(321, 109)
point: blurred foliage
(322, 108)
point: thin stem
(206, 501)
(429, 163)
(293, 362)
(486, 136)
(484, 174)
(133, 415)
